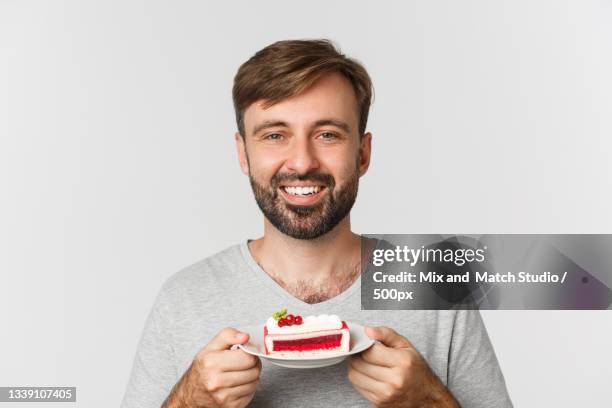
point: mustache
(325, 179)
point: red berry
(282, 322)
(289, 319)
(297, 320)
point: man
(301, 110)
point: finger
(377, 372)
(388, 337)
(231, 360)
(368, 395)
(242, 401)
(382, 355)
(226, 338)
(365, 382)
(227, 396)
(236, 378)
(243, 390)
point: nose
(302, 157)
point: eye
(328, 136)
(273, 136)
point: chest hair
(319, 290)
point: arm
(218, 376)
(153, 370)
(394, 374)
(474, 374)
(180, 394)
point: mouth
(304, 194)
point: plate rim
(351, 325)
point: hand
(218, 376)
(394, 374)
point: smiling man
(301, 111)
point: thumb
(388, 337)
(226, 338)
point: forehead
(330, 97)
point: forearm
(438, 396)
(181, 394)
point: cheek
(341, 164)
(264, 166)
(348, 173)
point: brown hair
(286, 68)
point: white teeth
(303, 190)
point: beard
(306, 221)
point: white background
(117, 163)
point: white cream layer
(309, 324)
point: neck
(292, 260)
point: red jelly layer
(313, 343)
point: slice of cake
(287, 334)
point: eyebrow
(333, 122)
(268, 124)
(321, 122)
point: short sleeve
(153, 372)
(474, 375)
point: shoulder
(212, 271)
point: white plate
(359, 342)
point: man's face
(304, 157)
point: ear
(365, 151)
(242, 155)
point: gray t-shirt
(230, 289)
